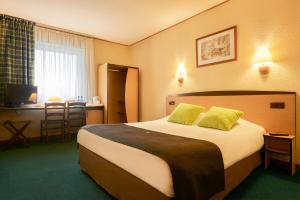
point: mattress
(243, 140)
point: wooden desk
(42, 107)
(35, 113)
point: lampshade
(263, 60)
(180, 73)
(263, 55)
(32, 97)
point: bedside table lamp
(263, 60)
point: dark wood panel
(232, 93)
(115, 66)
(284, 164)
(93, 107)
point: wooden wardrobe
(118, 90)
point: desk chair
(54, 119)
(76, 117)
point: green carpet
(51, 172)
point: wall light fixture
(263, 60)
(180, 73)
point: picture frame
(216, 48)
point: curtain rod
(64, 31)
(74, 33)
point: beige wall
(275, 23)
(110, 52)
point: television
(17, 95)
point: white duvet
(243, 140)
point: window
(60, 71)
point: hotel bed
(155, 171)
(130, 173)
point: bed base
(125, 186)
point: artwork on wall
(217, 47)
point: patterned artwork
(217, 47)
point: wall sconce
(263, 60)
(180, 73)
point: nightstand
(284, 146)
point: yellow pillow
(220, 118)
(185, 113)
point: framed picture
(217, 47)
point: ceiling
(121, 21)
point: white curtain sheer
(64, 65)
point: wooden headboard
(273, 110)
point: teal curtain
(16, 52)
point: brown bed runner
(196, 165)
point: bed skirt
(125, 186)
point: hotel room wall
(272, 23)
(108, 52)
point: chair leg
(41, 132)
(46, 135)
(63, 132)
(68, 131)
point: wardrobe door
(131, 95)
(102, 87)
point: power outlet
(277, 105)
(172, 103)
